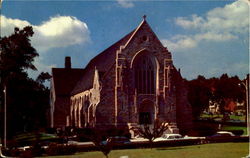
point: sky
(206, 38)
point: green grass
(219, 150)
(32, 136)
(241, 118)
(219, 117)
(229, 128)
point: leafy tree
(42, 77)
(27, 99)
(202, 90)
(17, 54)
(226, 88)
(96, 136)
(151, 132)
(198, 95)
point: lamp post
(248, 117)
(5, 118)
(246, 85)
(4, 91)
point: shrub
(236, 132)
(60, 149)
(36, 150)
(26, 154)
(14, 152)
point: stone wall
(144, 41)
(116, 101)
(61, 111)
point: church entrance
(146, 112)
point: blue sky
(206, 38)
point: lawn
(219, 117)
(219, 150)
(230, 128)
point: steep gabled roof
(143, 25)
(65, 79)
(104, 61)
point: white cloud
(232, 18)
(125, 3)
(194, 23)
(218, 25)
(211, 36)
(8, 25)
(182, 42)
(179, 43)
(58, 31)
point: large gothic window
(144, 75)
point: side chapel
(132, 82)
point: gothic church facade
(132, 82)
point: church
(130, 83)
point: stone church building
(132, 82)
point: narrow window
(144, 77)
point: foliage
(17, 54)
(202, 128)
(96, 136)
(237, 130)
(219, 90)
(13, 152)
(43, 76)
(198, 95)
(151, 133)
(61, 149)
(25, 139)
(27, 100)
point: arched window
(144, 74)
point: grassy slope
(220, 150)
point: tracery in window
(144, 75)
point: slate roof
(102, 62)
(65, 80)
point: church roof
(65, 79)
(103, 61)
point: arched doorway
(146, 112)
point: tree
(17, 54)
(198, 95)
(27, 99)
(217, 90)
(96, 136)
(151, 132)
(227, 88)
(42, 77)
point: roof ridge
(104, 65)
(136, 30)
